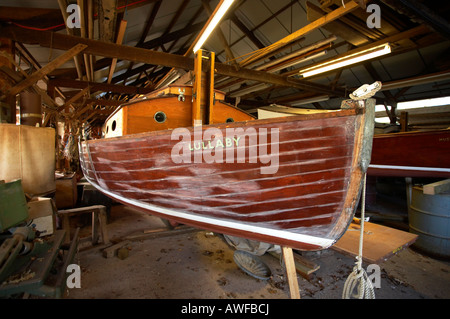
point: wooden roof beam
(24, 53)
(73, 99)
(263, 23)
(421, 29)
(107, 15)
(144, 33)
(149, 22)
(188, 24)
(39, 74)
(95, 86)
(249, 34)
(120, 35)
(175, 18)
(336, 14)
(70, 31)
(64, 42)
(151, 44)
(46, 99)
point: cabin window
(113, 125)
(160, 117)
(229, 120)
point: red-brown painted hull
(411, 154)
(306, 204)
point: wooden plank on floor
(380, 242)
(304, 267)
(160, 232)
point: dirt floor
(197, 264)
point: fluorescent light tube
(348, 60)
(223, 7)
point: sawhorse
(98, 222)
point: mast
(203, 94)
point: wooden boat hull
(411, 154)
(306, 202)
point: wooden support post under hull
(291, 272)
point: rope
(358, 278)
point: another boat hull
(289, 181)
(411, 154)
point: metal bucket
(429, 217)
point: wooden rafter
(76, 59)
(107, 15)
(149, 22)
(336, 27)
(248, 33)
(46, 99)
(421, 29)
(144, 34)
(94, 86)
(73, 99)
(39, 74)
(24, 53)
(172, 22)
(90, 35)
(221, 37)
(349, 6)
(188, 24)
(259, 25)
(63, 42)
(120, 35)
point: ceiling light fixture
(347, 60)
(217, 15)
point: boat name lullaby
(229, 142)
(209, 145)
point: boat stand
(291, 272)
